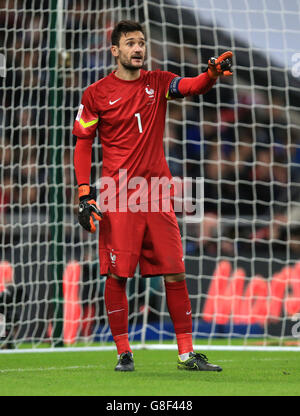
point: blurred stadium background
(243, 138)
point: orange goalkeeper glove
(88, 209)
(220, 66)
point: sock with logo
(179, 307)
(117, 311)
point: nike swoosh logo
(117, 310)
(113, 102)
(188, 313)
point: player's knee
(174, 277)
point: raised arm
(183, 86)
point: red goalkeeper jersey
(130, 119)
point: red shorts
(151, 239)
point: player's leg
(179, 307)
(180, 311)
(117, 311)
(116, 304)
(120, 237)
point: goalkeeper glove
(220, 66)
(88, 209)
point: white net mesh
(242, 138)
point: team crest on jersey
(150, 92)
(113, 258)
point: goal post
(56, 200)
(241, 141)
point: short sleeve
(87, 118)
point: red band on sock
(122, 343)
(185, 343)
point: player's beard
(126, 63)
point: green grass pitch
(244, 373)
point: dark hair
(124, 26)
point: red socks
(179, 307)
(117, 311)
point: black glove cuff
(91, 195)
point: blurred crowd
(242, 140)
(248, 155)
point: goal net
(242, 140)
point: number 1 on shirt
(138, 116)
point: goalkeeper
(128, 108)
